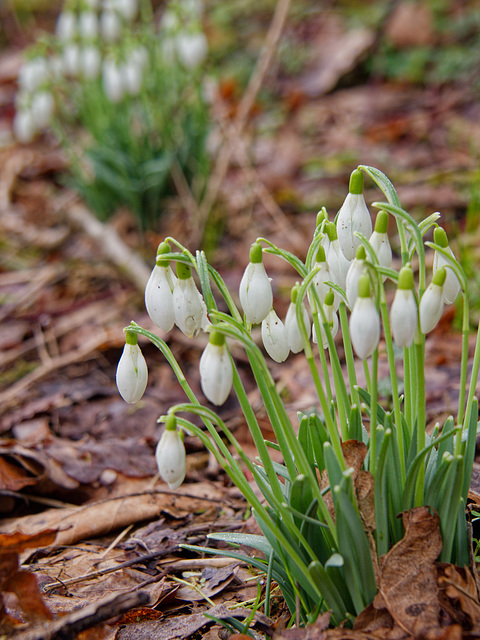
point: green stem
(421, 415)
(349, 357)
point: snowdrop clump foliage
(320, 542)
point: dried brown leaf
(459, 585)
(25, 586)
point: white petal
(294, 337)
(332, 319)
(338, 264)
(274, 336)
(381, 246)
(403, 317)
(189, 308)
(171, 458)
(159, 298)
(364, 327)
(431, 307)
(353, 216)
(356, 269)
(451, 287)
(42, 107)
(132, 374)
(216, 373)
(256, 295)
(323, 276)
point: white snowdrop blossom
(189, 308)
(451, 287)
(216, 372)
(274, 337)
(337, 262)
(431, 302)
(379, 241)
(90, 62)
(404, 310)
(132, 372)
(126, 8)
(33, 74)
(170, 455)
(332, 320)
(88, 25)
(364, 323)
(66, 27)
(112, 81)
(255, 293)
(132, 77)
(192, 49)
(110, 25)
(353, 216)
(24, 127)
(43, 106)
(159, 295)
(294, 335)
(356, 269)
(71, 60)
(323, 277)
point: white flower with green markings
(256, 295)
(216, 371)
(170, 455)
(132, 372)
(353, 216)
(451, 287)
(379, 241)
(432, 303)
(294, 335)
(364, 321)
(159, 291)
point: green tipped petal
(356, 182)
(256, 253)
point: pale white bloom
(71, 60)
(381, 246)
(159, 297)
(320, 282)
(192, 48)
(256, 295)
(132, 77)
(451, 288)
(112, 81)
(88, 25)
(274, 337)
(364, 323)
(431, 302)
(338, 264)
(171, 458)
(216, 372)
(126, 8)
(24, 126)
(294, 337)
(353, 217)
(110, 25)
(404, 317)
(189, 308)
(90, 62)
(332, 320)
(66, 27)
(132, 373)
(43, 106)
(33, 74)
(355, 271)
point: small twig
(120, 536)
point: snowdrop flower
(379, 241)
(126, 8)
(71, 60)
(192, 49)
(132, 373)
(110, 25)
(431, 303)
(294, 335)
(331, 318)
(216, 372)
(170, 455)
(274, 336)
(24, 126)
(256, 295)
(88, 25)
(33, 74)
(90, 62)
(42, 108)
(159, 291)
(356, 269)
(66, 27)
(112, 81)
(404, 311)
(323, 277)
(364, 322)
(337, 262)
(353, 216)
(189, 308)
(451, 287)
(132, 77)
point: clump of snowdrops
(330, 511)
(125, 99)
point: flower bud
(112, 81)
(431, 303)
(24, 126)
(323, 276)
(159, 292)
(170, 455)
(274, 336)
(255, 292)
(66, 27)
(294, 336)
(451, 287)
(353, 216)
(90, 62)
(110, 25)
(380, 242)
(338, 264)
(132, 372)
(43, 106)
(189, 308)
(364, 322)
(88, 25)
(216, 372)
(192, 49)
(404, 311)
(332, 320)
(356, 269)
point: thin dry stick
(244, 108)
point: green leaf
(382, 182)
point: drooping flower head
(216, 372)
(170, 454)
(274, 337)
(294, 335)
(159, 291)
(331, 318)
(256, 295)
(189, 308)
(323, 277)
(132, 372)
(431, 303)
(380, 242)
(404, 310)
(337, 262)
(451, 287)
(365, 321)
(355, 270)
(353, 216)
